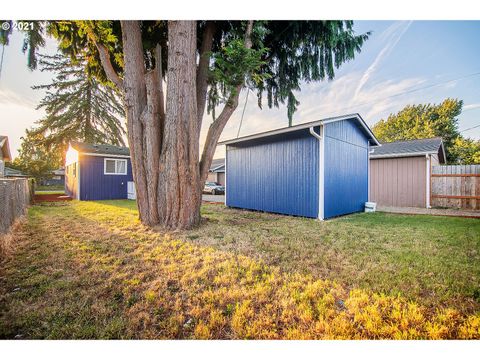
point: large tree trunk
(144, 123)
(179, 184)
(164, 145)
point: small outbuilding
(97, 172)
(216, 173)
(318, 169)
(400, 172)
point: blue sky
(399, 58)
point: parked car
(213, 188)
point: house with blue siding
(97, 172)
(318, 169)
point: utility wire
(243, 112)
(470, 128)
(410, 91)
(1, 60)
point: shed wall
(398, 181)
(276, 175)
(346, 168)
(71, 180)
(94, 185)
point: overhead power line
(470, 128)
(410, 91)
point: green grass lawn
(91, 270)
(49, 192)
(50, 188)
(430, 259)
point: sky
(402, 62)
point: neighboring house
(217, 171)
(5, 154)
(97, 172)
(9, 172)
(400, 172)
(318, 169)
(57, 177)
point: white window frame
(116, 166)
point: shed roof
(7, 156)
(407, 148)
(364, 127)
(100, 149)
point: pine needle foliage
(78, 107)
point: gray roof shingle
(217, 163)
(100, 149)
(408, 147)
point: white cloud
(471, 106)
(391, 36)
(9, 97)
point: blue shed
(97, 172)
(318, 169)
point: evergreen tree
(423, 121)
(78, 107)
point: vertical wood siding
(94, 185)
(398, 181)
(346, 168)
(277, 175)
(465, 188)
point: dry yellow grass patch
(90, 270)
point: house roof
(364, 127)
(9, 172)
(59, 172)
(100, 149)
(7, 156)
(407, 148)
(218, 165)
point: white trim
(321, 193)
(78, 178)
(107, 155)
(116, 166)
(362, 122)
(225, 191)
(321, 170)
(427, 188)
(386, 156)
(216, 168)
(303, 126)
(368, 172)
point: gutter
(321, 170)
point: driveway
(214, 198)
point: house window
(115, 167)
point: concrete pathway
(437, 212)
(214, 198)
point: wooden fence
(455, 186)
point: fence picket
(456, 191)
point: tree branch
(202, 69)
(218, 125)
(108, 67)
(105, 60)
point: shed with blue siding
(318, 169)
(97, 172)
